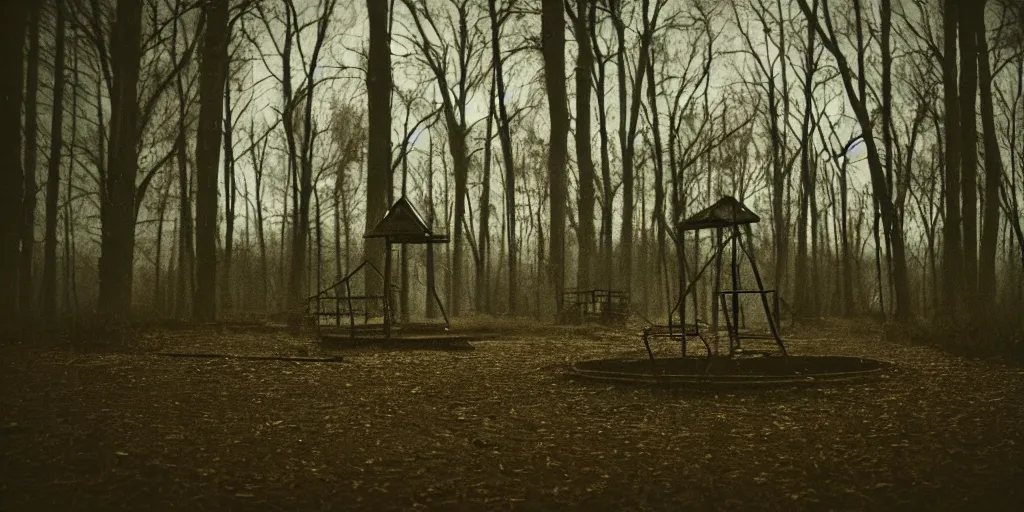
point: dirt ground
(499, 427)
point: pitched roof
(726, 212)
(403, 224)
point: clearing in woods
(502, 426)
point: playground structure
(725, 216)
(608, 307)
(336, 311)
(773, 366)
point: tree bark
(802, 300)
(230, 187)
(378, 154)
(952, 248)
(431, 304)
(505, 137)
(53, 174)
(28, 222)
(12, 41)
(553, 44)
(184, 277)
(484, 240)
(117, 204)
(584, 155)
(212, 75)
(993, 174)
(969, 148)
(607, 193)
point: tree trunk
(378, 154)
(70, 289)
(28, 222)
(53, 175)
(553, 44)
(230, 189)
(484, 240)
(801, 295)
(431, 304)
(584, 156)
(212, 75)
(606, 174)
(117, 204)
(969, 14)
(952, 248)
(12, 41)
(505, 136)
(993, 175)
(158, 297)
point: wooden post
(717, 285)
(735, 288)
(387, 289)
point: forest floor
(499, 427)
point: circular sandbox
(729, 372)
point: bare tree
(438, 53)
(581, 26)
(28, 223)
(553, 46)
(498, 19)
(629, 111)
(993, 171)
(53, 174)
(378, 154)
(118, 194)
(879, 183)
(212, 76)
(12, 41)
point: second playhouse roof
(726, 212)
(403, 224)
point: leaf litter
(499, 427)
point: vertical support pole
(735, 287)
(717, 287)
(351, 313)
(764, 302)
(387, 289)
(681, 303)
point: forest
(203, 160)
(189, 190)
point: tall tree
(28, 222)
(584, 157)
(969, 13)
(553, 45)
(455, 100)
(212, 74)
(629, 112)
(803, 299)
(378, 153)
(858, 100)
(184, 287)
(952, 248)
(53, 174)
(12, 41)
(505, 137)
(117, 199)
(993, 171)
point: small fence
(597, 305)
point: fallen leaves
(501, 426)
